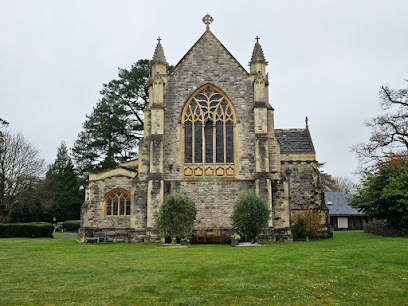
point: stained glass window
(208, 132)
(229, 135)
(122, 206)
(115, 206)
(198, 143)
(188, 142)
(118, 203)
(109, 207)
(209, 121)
(219, 142)
(128, 207)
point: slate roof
(294, 140)
(340, 206)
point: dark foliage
(250, 216)
(71, 225)
(176, 216)
(383, 193)
(31, 230)
(377, 227)
(67, 194)
(115, 126)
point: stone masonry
(279, 165)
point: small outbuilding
(342, 215)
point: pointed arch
(117, 202)
(209, 121)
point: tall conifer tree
(115, 126)
(68, 197)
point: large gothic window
(209, 121)
(118, 203)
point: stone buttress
(208, 133)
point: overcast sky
(327, 60)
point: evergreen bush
(30, 230)
(250, 215)
(176, 216)
(71, 225)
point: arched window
(208, 120)
(118, 203)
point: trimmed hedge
(31, 230)
(71, 225)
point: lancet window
(209, 121)
(118, 203)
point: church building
(208, 133)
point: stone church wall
(213, 198)
(208, 63)
(95, 210)
(305, 192)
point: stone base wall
(130, 235)
(214, 199)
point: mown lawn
(351, 268)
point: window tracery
(209, 121)
(118, 203)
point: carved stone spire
(257, 54)
(158, 56)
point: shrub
(176, 216)
(71, 225)
(307, 224)
(380, 227)
(31, 230)
(250, 215)
(376, 227)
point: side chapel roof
(294, 140)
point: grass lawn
(351, 268)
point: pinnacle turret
(158, 56)
(257, 54)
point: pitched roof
(340, 204)
(208, 34)
(294, 140)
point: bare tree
(389, 131)
(19, 166)
(337, 183)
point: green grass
(351, 268)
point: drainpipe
(288, 173)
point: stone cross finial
(307, 121)
(207, 19)
(257, 39)
(159, 39)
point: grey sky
(327, 60)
